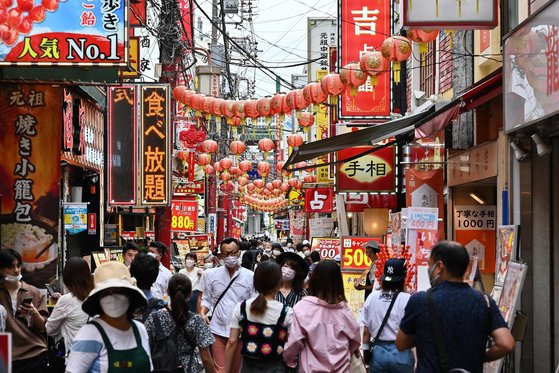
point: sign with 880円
(184, 216)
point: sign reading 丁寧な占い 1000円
(66, 33)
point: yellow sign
(355, 298)
(296, 198)
(133, 70)
(322, 123)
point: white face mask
(114, 305)
(288, 273)
(221, 262)
(231, 261)
(208, 265)
(268, 251)
(433, 280)
(154, 255)
(307, 252)
(276, 253)
(189, 263)
(12, 279)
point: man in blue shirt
(465, 316)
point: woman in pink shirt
(323, 331)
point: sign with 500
(354, 257)
(185, 214)
(327, 247)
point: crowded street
(279, 186)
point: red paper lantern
(251, 187)
(245, 166)
(264, 106)
(237, 147)
(235, 171)
(226, 163)
(279, 166)
(225, 176)
(299, 184)
(218, 104)
(284, 187)
(332, 84)
(263, 168)
(265, 145)
(203, 159)
(300, 101)
(293, 182)
(306, 120)
(308, 179)
(396, 49)
(227, 108)
(422, 36)
(290, 101)
(186, 97)
(250, 109)
(295, 140)
(242, 180)
(178, 91)
(258, 183)
(269, 186)
(313, 93)
(301, 164)
(277, 104)
(181, 155)
(196, 101)
(209, 146)
(374, 64)
(352, 76)
(217, 167)
(208, 104)
(234, 122)
(239, 109)
(209, 170)
(276, 184)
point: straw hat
(113, 275)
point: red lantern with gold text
(263, 169)
(250, 109)
(314, 93)
(264, 106)
(265, 145)
(396, 49)
(237, 148)
(245, 166)
(300, 101)
(306, 120)
(209, 146)
(227, 110)
(422, 37)
(239, 109)
(374, 64)
(332, 84)
(295, 140)
(290, 101)
(352, 76)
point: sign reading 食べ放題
(66, 33)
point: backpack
(154, 304)
(164, 354)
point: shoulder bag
(221, 296)
(383, 324)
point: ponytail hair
(267, 278)
(179, 290)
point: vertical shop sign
(322, 127)
(297, 224)
(425, 189)
(475, 227)
(373, 172)
(322, 33)
(122, 145)
(362, 28)
(154, 148)
(30, 139)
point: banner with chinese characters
(475, 227)
(321, 227)
(66, 33)
(362, 28)
(122, 126)
(354, 257)
(154, 145)
(328, 248)
(184, 216)
(373, 172)
(30, 139)
(319, 199)
(322, 33)
(426, 189)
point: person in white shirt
(194, 274)
(223, 289)
(67, 317)
(159, 288)
(385, 357)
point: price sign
(421, 218)
(328, 248)
(185, 214)
(354, 257)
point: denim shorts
(387, 359)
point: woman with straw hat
(112, 341)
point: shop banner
(321, 227)
(475, 228)
(193, 187)
(121, 110)
(450, 14)
(373, 172)
(30, 142)
(154, 145)
(281, 224)
(184, 216)
(328, 248)
(420, 218)
(297, 224)
(353, 253)
(75, 217)
(66, 33)
(322, 33)
(355, 298)
(319, 200)
(426, 189)
(363, 27)
(196, 243)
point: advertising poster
(507, 247)
(75, 217)
(297, 223)
(426, 189)
(355, 298)
(184, 216)
(475, 228)
(373, 172)
(30, 139)
(512, 287)
(328, 248)
(111, 232)
(353, 254)
(67, 33)
(198, 244)
(363, 28)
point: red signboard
(319, 199)
(363, 28)
(138, 13)
(92, 223)
(195, 187)
(184, 216)
(328, 248)
(354, 257)
(372, 172)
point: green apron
(133, 360)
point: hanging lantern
(422, 37)
(218, 167)
(178, 91)
(293, 182)
(242, 180)
(235, 122)
(181, 155)
(299, 185)
(374, 64)
(306, 120)
(265, 145)
(279, 166)
(251, 187)
(209, 146)
(314, 93)
(295, 140)
(226, 163)
(209, 170)
(332, 84)
(186, 97)
(263, 168)
(218, 104)
(239, 109)
(250, 109)
(269, 186)
(301, 164)
(264, 106)
(227, 186)
(308, 179)
(258, 183)
(284, 187)
(227, 109)
(245, 166)
(235, 171)
(352, 76)
(277, 104)
(225, 176)
(207, 106)
(290, 101)
(203, 159)
(276, 183)
(300, 100)
(396, 49)
(237, 147)
(196, 101)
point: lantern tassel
(450, 35)
(374, 80)
(353, 91)
(437, 9)
(396, 69)
(423, 48)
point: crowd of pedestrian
(250, 306)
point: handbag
(356, 364)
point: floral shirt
(199, 333)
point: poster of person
(512, 287)
(30, 139)
(355, 299)
(507, 243)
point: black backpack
(164, 354)
(154, 304)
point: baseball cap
(373, 244)
(394, 270)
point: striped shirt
(292, 298)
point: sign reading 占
(372, 172)
(66, 33)
(363, 28)
(154, 148)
